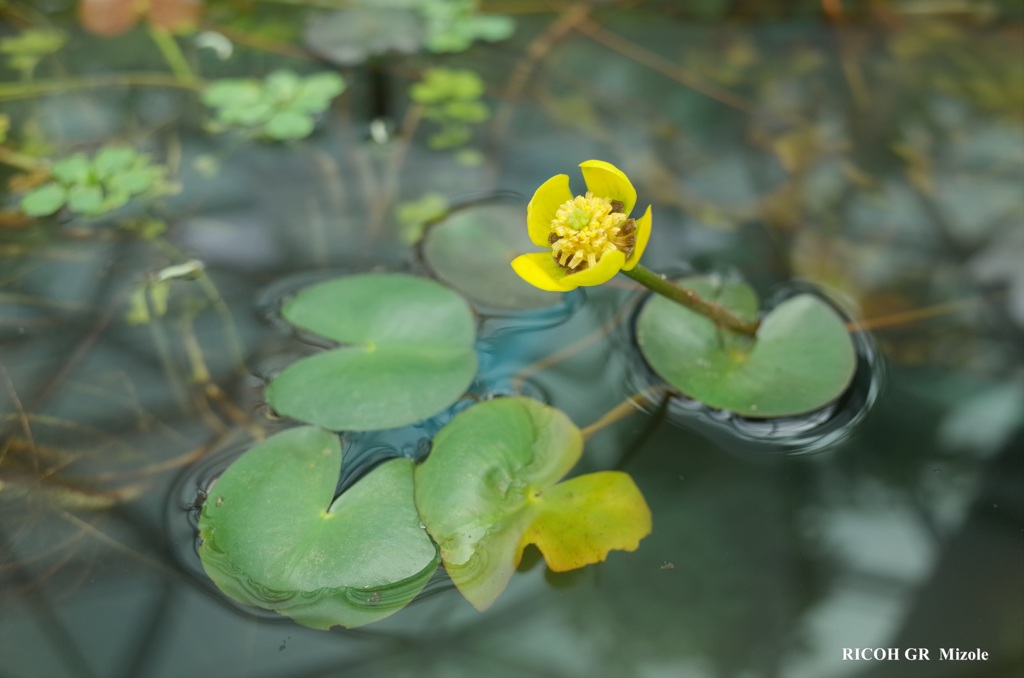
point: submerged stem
(627, 407)
(172, 54)
(717, 314)
(24, 90)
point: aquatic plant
(406, 354)
(488, 488)
(451, 98)
(358, 34)
(398, 352)
(25, 50)
(453, 25)
(282, 107)
(704, 338)
(371, 29)
(591, 236)
(275, 536)
(880, 159)
(94, 186)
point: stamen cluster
(586, 228)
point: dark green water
(877, 157)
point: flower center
(578, 220)
(586, 228)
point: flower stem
(719, 315)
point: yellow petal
(643, 234)
(605, 270)
(605, 180)
(545, 202)
(540, 270)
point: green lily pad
(488, 489)
(275, 537)
(802, 358)
(471, 251)
(408, 353)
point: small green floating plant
(94, 186)
(274, 533)
(281, 107)
(451, 97)
(25, 50)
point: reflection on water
(876, 153)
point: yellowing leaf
(490, 487)
(582, 519)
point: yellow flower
(590, 237)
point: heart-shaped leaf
(802, 358)
(471, 250)
(408, 353)
(275, 537)
(489, 488)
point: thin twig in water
(658, 63)
(627, 407)
(27, 90)
(915, 314)
(535, 53)
(26, 427)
